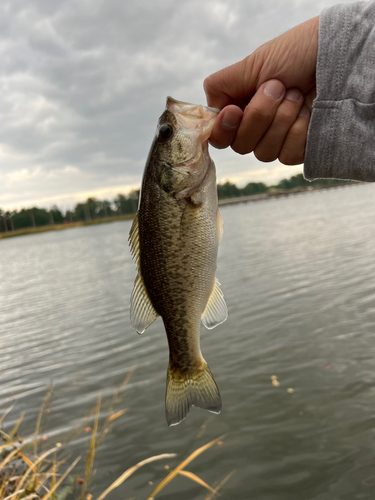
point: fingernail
(230, 121)
(293, 95)
(273, 89)
(304, 111)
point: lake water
(298, 274)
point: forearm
(341, 136)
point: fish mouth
(193, 116)
(186, 108)
(195, 120)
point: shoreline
(276, 193)
(60, 227)
(273, 193)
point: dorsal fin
(216, 311)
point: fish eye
(165, 132)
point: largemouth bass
(174, 240)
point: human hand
(263, 97)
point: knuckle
(241, 149)
(290, 158)
(296, 134)
(265, 155)
(259, 113)
(207, 84)
(293, 150)
(218, 145)
(285, 116)
(292, 153)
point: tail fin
(198, 389)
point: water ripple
(298, 275)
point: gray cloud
(83, 82)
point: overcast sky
(83, 83)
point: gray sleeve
(341, 136)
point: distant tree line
(123, 205)
(229, 190)
(90, 210)
(298, 181)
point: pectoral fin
(216, 311)
(142, 312)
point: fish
(174, 240)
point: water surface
(298, 274)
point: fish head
(181, 146)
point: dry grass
(28, 473)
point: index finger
(231, 85)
